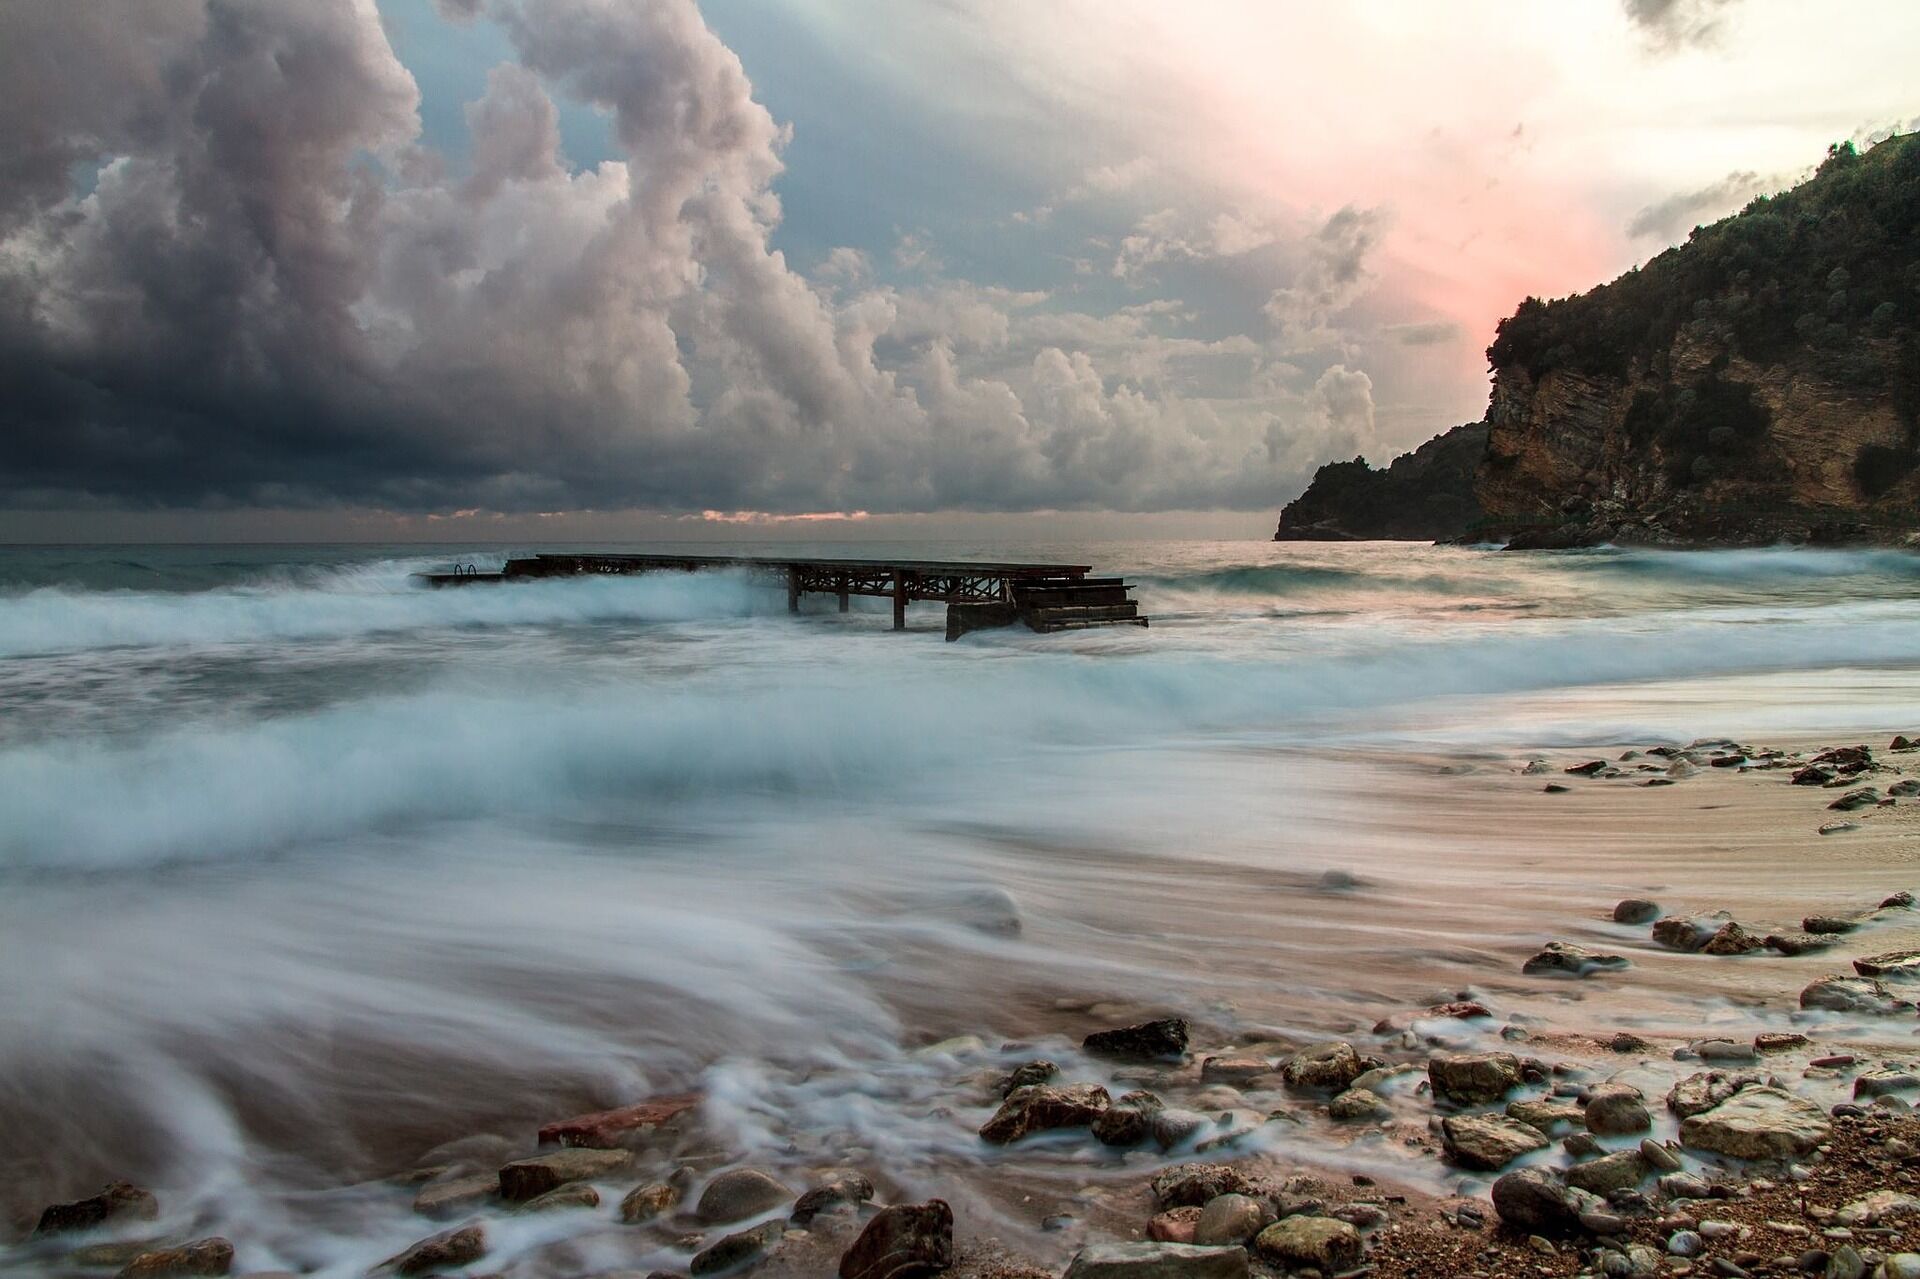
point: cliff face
(1425, 495)
(1760, 383)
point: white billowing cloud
(274, 293)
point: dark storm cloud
(231, 274)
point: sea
(310, 874)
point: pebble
(740, 1193)
(117, 1201)
(1685, 1243)
(1660, 1156)
(905, 1239)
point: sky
(448, 269)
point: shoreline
(1740, 839)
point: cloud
(1670, 24)
(1673, 217)
(1332, 276)
(1431, 333)
(276, 294)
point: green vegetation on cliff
(1825, 276)
(1425, 495)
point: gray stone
(1231, 1219)
(1559, 957)
(203, 1258)
(1616, 1111)
(1659, 1156)
(644, 1203)
(1724, 1050)
(1329, 1067)
(1470, 1079)
(1233, 1070)
(1731, 939)
(1680, 932)
(1879, 1207)
(740, 1193)
(526, 1179)
(1148, 1041)
(843, 1187)
(1488, 1141)
(906, 1241)
(1042, 1107)
(1545, 1113)
(1534, 1201)
(1686, 1243)
(1635, 910)
(1893, 965)
(1128, 1121)
(1357, 1104)
(1829, 924)
(458, 1195)
(1685, 1185)
(1038, 1071)
(738, 1250)
(1194, 1185)
(577, 1194)
(118, 1201)
(1621, 1170)
(1760, 1122)
(443, 1251)
(1880, 1083)
(1331, 1246)
(1157, 1261)
(1705, 1090)
(1852, 995)
(1173, 1126)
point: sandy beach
(1425, 882)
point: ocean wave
(874, 721)
(366, 599)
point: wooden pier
(1043, 597)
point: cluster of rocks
(741, 1217)
(1840, 767)
(1719, 933)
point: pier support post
(899, 601)
(793, 590)
(843, 594)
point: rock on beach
(607, 1129)
(526, 1179)
(1040, 1107)
(1760, 1122)
(1488, 1142)
(1157, 1261)
(117, 1201)
(905, 1241)
(1471, 1079)
(1148, 1041)
(1572, 960)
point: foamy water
(305, 871)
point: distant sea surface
(305, 868)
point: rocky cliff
(1425, 495)
(1759, 383)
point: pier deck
(1046, 597)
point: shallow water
(305, 870)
